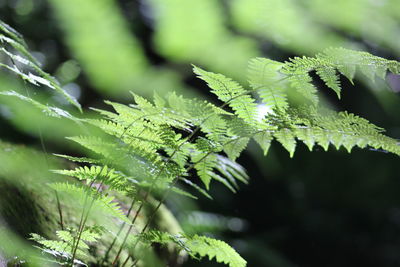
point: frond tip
(199, 246)
(273, 79)
(13, 48)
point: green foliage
(212, 248)
(13, 47)
(48, 110)
(200, 246)
(179, 128)
(147, 147)
(273, 79)
(63, 248)
(332, 59)
(116, 180)
(264, 76)
(84, 195)
(230, 92)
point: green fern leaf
(326, 64)
(231, 170)
(78, 159)
(116, 180)
(107, 204)
(234, 147)
(212, 248)
(201, 246)
(264, 139)
(204, 164)
(11, 39)
(307, 136)
(331, 79)
(48, 110)
(286, 138)
(222, 180)
(265, 78)
(198, 188)
(230, 92)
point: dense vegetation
(126, 163)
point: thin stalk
(75, 245)
(134, 199)
(84, 217)
(46, 160)
(118, 233)
(134, 263)
(59, 210)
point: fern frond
(91, 234)
(234, 147)
(78, 159)
(180, 156)
(369, 64)
(287, 139)
(264, 139)
(199, 246)
(230, 92)
(204, 163)
(182, 192)
(139, 139)
(206, 145)
(339, 129)
(12, 40)
(155, 114)
(231, 170)
(116, 180)
(213, 248)
(65, 245)
(48, 110)
(109, 151)
(332, 59)
(198, 188)
(201, 114)
(55, 245)
(222, 180)
(299, 79)
(13, 34)
(264, 76)
(272, 79)
(107, 204)
(236, 127)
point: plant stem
(119, 232)
(85, 217)
(59, 210)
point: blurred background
(317, 209)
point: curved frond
(199, 246)
(13, 47)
